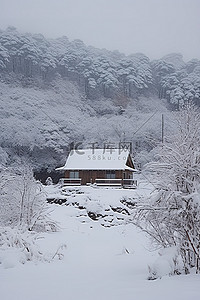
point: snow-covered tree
(23, 201)
(23, 213)
(172, 216)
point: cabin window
(74, 174)
(110, 174)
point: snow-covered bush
(23, 213)
(18, 246)
(49, 181)
(169, 263)
(172, 216)
(23, 201)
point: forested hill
(54, 92)
(99, 72)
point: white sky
(153, 27)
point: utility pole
(162, 128)
(124, 136)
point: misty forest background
(56, 92)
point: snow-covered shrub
(17, 246)
(49, 181)
(168, 263)
(172, 216)
(23, 201)
(23, 213)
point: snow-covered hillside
(100, 262)
(39, 123)
(55, 92)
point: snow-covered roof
(97, 159)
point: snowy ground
(100, 262)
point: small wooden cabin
(100, 167)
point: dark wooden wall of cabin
(89, 176)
